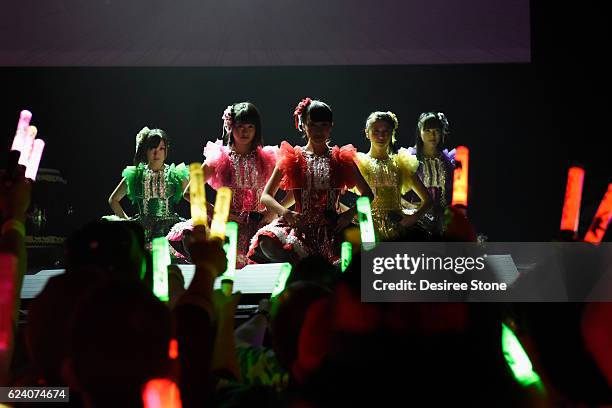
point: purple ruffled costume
(437, 175)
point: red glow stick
(573, 195)
(34, 160)
(8, 274)
(173, 351)
(600, 223)
(460, 177)
(161, 393)
(22, 130)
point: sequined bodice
(317, 196)
(433, 174)
(384, 180)
(154, 197)
(246, 183)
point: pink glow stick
(8, 273)
(28, 144)
(34, 160)
(22, 128)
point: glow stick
(8, 274)
(517, 359)
(22, 130)
(282, 280)
(346, 254)
(28, 145)
(460, 177)
(222, 208)
(571, 203)
(231, 249)
(173, 349)
(366, 225)
(34, 161)
(600, 223)
(161, 393)
(161, 260)
(197, 194)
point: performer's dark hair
(313, 109)
(147, 140)
(243, 113)
(431, 120)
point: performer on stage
(245, 166)
(390, 175)
(151, 185)
(313, 177)
(436, 167)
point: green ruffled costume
(155, 193)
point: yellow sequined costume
(389, 179)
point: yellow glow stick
(197, 194)
(222, 208)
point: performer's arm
(115, 198)
(426, 202)
(207, 173)
(364, 190)
(267, 196)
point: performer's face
(244, 133)
(431, 137)
(158, 153)
(380, 133)
(318, 132)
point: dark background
(525, 123)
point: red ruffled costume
(317, 182)
(246, 175)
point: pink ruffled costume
(317, 183)
(247, 176)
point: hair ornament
(297, 114)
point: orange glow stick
(460, 177)
(197, 194)
(600, 223)
(173, 351)
(571, 203)
(161, 393)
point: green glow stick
(517, 359)
(231, 249)
(161, 260)
(221, 213)
(282, 279)
(346, 254)
(197, 194)
(366, 225)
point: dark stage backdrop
(89, 118)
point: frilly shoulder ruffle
(292, 164)
(450, 155)
(132, 174)
(342, 163)
(176, 175)
(407, 165)
(266, 161)
(218, 161)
